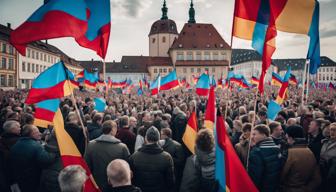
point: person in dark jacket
(94, 128)
(49, 175)
(104, 149)
(295, 175)
(199, 171)
(119, 177)
(315, 138)
(10, 136)
(125, 134)
(179, 123)
(75, 131)
(265, 160)
(176, 151)
(27, 158)
(153, 168)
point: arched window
(163, 39)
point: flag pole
(308, 78)
(253, 122)
(104, 77)
(76, 108)
(303, 83)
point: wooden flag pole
(308, 78)
(104, 78)
(303, 83)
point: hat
(152, 134)
(295, 131)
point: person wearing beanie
(295, 175)
(153, 168)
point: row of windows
(198, 56)
(6, 80)
(163, 39)
(31, 67)
(7, 48)
(7, 63)
(325, 77)
(327, 69)
(162, 70)
(41, 56)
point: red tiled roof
(199, 36)
(202, 63)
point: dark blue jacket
(27, 158)
(94, 130)
(265, 164)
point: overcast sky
(131, 21)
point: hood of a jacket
(151, 148)
(205, 158)
(108, 139)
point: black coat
(153, 169)
(94, 130)
(315, 145)
(178, 126)
(127, 188)
(27, 158)
(265, 164)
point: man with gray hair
(11, 133)
(153, 168)
(72, 179)
(119, 177)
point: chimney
(9, 25)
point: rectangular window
(3, 63)
(10, 64)
(160, 70)
(170, 70)
(198, 70)
(327, 69)
(215, 56)
(192, 70)
(48, 58)
(10, 81)
(41, 68)
(165, 70)
(23, 66)
(184, 70)
(198, 56)
(207, 56)
(28, 67)
(45, 57)
(189, 56)
(213, 69)
(222, 56)
(11, 50)
(28, 53)
(33, 68)
(37, 68)
(37, 55)
(155, 70)
(3, 80)
(163, 39)
(180, 56)
(44, 68)
(4, 48)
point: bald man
(119, 177)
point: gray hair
(8, 125)
(152, 134)
(119, 172)
(72, 178)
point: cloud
(130, 8)
(328, 29)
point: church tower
(162, 34)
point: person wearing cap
(153, 168)
(300, 172)
(328, 160)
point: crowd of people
(136, 143)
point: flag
(293, 80)
(276, 79)
(155, 85)
(90, 80)
(52, 83)
(69, 152)
(45, 112)
(140, 89)
(203, 85)
(284, 86)
(244, 83)
(273, 109)
(195, 79)
(254, 81)
(100, 104)
(99, 24)
(146, 83)
(331, 86)
(190, 133)
(80, 76)
(61, 18)
(259, 21)
(220, 83)
(236, 178)
(169, 81)
(210, 112)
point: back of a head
(27, 130)
(108, 126)
(205, 140)
(9, 125)
(118, 173)
(152, 134)
(273, 125)
(167, 132)
(124, 121)
(247, 127)
(72, 179)
(263, 129)
(295, 131)
(97, 117)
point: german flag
(190, 133)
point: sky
(131, 21)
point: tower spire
(191, 13)
(164, 11)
